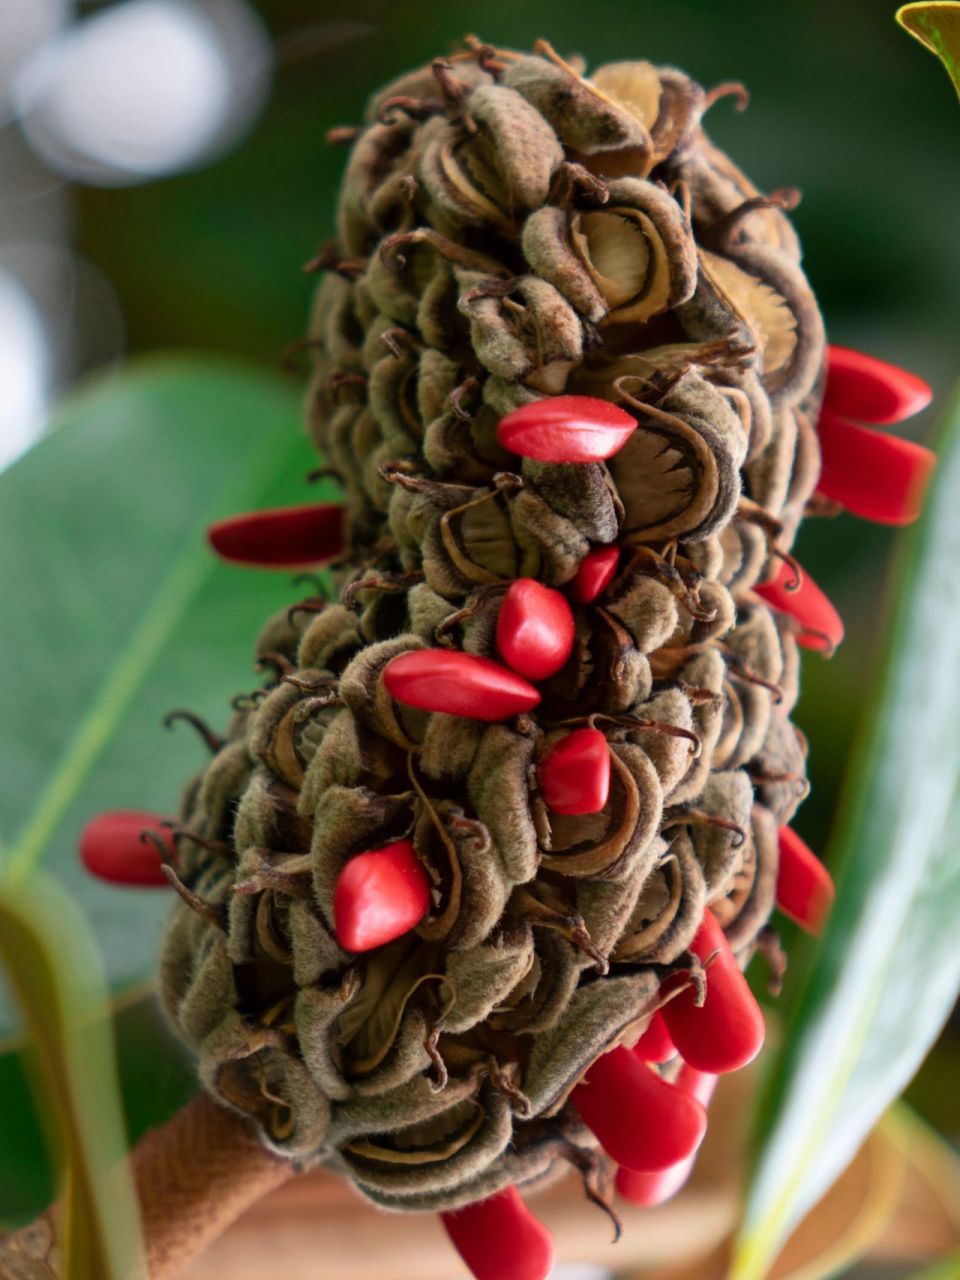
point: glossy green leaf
(936, 24)
(53, 967)
(116, 612)
(887, 972)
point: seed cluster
(511, 233)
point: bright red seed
(111, 848)
(574, 775)
(821, 625)
(459, 684)
(566, 429)
(873, 475)
(728, 1031)
(699, 1084)
(870, 390)
(596, 572)
(655, 1188)
(640, 1119)
(804, 886)
(655, 1044)
(534, 629)
(500, 1239)
(379, 895)
(282, 538)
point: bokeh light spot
(145, 88)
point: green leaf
(157, 1078)
(887, 972)
(936, 25)
(53, 966)
(946, 1269)
(116, 612)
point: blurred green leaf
(116, 611)
(936, 24)
(157, 1077)
(947, 1269)
(51, 961)
(886, 974)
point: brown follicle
(512, 227)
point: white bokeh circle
(144, 88)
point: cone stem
(194, 1176)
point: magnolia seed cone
(510, 230)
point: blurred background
(164, 175)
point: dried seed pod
(637, 250)
(625, 118)
(528, 334)
(772, 296)
(679, 474)
(722, 192)
(519, 241)
(584, 119)
(623, 263)
(667, 102)
(518, 142)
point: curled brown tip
(213, 740)
(728, 89)
(342, 135)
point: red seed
(379, 895)
(821, 625)
(459, 684)
(728, 1031)
(805, 890)
(500, 1239)
(699, 1084)
(566, 429)
(111, 848)
(876, 476)
(534, 629)
(640, 1119)
(654, 1188)
(655, 1044)
(574, 775)
(596, 572)
(870, 390)
(282, 538)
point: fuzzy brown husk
(509, 229)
